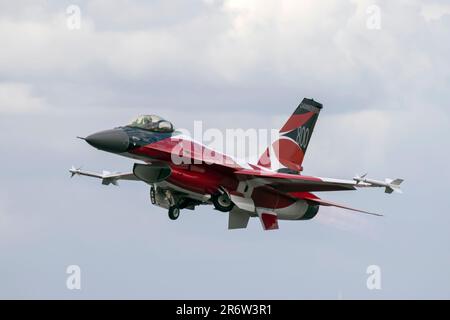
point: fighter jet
(183, 173)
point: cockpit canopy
(152, 123)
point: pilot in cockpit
(152, 123)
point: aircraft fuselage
(195, 175)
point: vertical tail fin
(288, 151)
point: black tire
(152, 195)
(222, 202)
(174, 213)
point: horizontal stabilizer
(312, 198)
(337, 205)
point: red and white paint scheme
(183, 173)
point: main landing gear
(222, 202)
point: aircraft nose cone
(115, 140)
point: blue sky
(232, 64)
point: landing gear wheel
(153, 195)
(174, 213)
(222, 202)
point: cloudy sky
(383, 79)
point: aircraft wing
(298, 183)
(107, 177)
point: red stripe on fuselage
(192, 174)
(207, 182)
(184, 151)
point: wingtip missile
(74, 171)
(390, 185)
(393, 185)
(360, 178)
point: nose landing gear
(174, 212)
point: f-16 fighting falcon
(183, 173)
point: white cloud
(14, 225)
(232, 64)
(19, 98)
(435, 11)
(303, 44)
